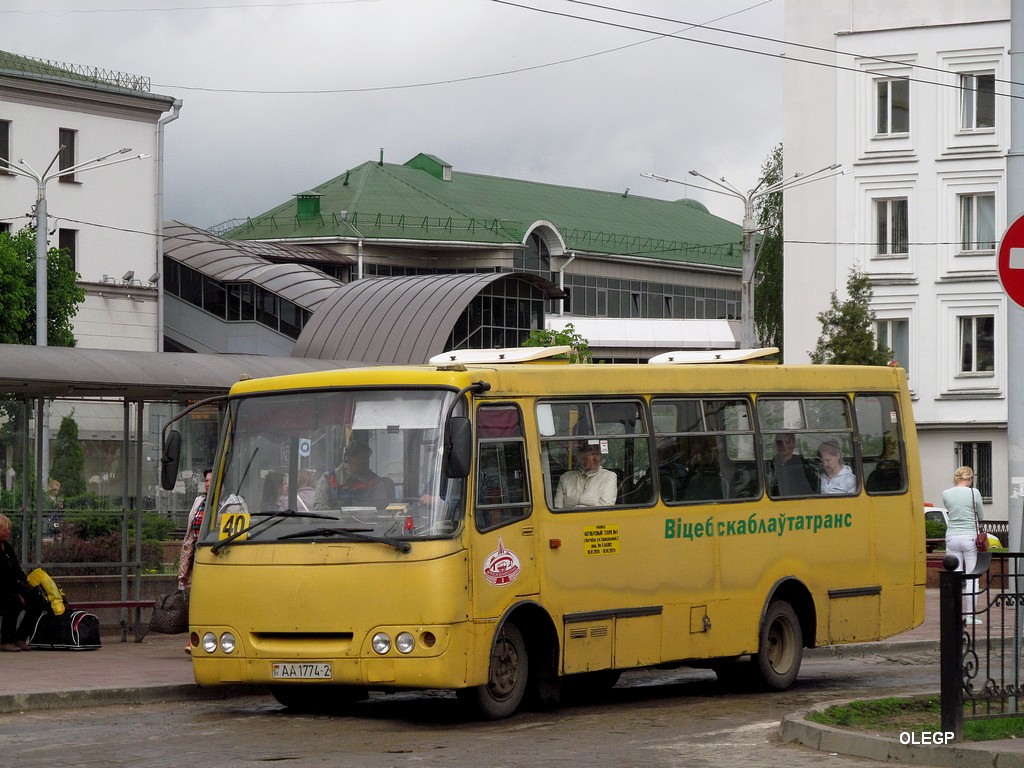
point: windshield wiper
(355, 534)
(267, 517)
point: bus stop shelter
(38, 379)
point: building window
(977, 102)
(5, 228)
(977, 344)
(977, 222)
(502, 315)
(535, 258)
(977, 456)
(891, 227)
(5, 145)
(67, 239)
(67, 139)
(893, 107)
(895, 334)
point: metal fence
(981, 664)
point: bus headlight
(381, 643)
(209, 642)
(227, 642)
(405, 642)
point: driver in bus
(353, 483)
(591, 485)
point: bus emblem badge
(501, 566)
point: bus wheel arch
(543, 685)
(794, 592)
(787, 618)
(522, 666)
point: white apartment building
(909, 98)
(109, 217)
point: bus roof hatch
(701, 356)
(500, 355)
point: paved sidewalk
(158, 669)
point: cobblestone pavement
(653, 718)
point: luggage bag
(71, 631)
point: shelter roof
(29, 371)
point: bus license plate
(299, 671)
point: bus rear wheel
(781, 647)
(509, 669)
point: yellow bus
(504, 525)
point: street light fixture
(22, 168)
(723, 187)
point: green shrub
(99, 549)
(95, 524)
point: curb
(857, 650)
(796, 728)
(98, 697)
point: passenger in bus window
(888, 472)
(306, 490)
(591, 485)
(706, 482)
(836, 477)
(792, 475)
(275, 492)
(672, 473)
(353, 483)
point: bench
(136, 605)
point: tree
(768, 322)
(847, 328)
(69, 459)
(18, 310)
(547, 337)
(18, 291)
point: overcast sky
(282, 95)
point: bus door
(504, 558)
(601, 538)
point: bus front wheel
(780, 649)
(509, 669)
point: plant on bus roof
(568, 336)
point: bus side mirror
(459, 448)
(170, 460)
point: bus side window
(881, 454)
(502, 493)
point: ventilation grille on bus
(583, 633)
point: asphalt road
(652, 718)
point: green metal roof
(413, 201)
(12, 63)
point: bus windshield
(357, 465)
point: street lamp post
(723, 187)
(22, 168)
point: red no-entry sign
(1011, 261)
